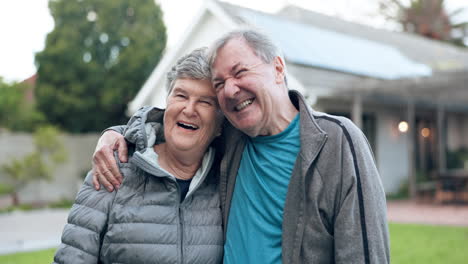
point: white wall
(392, 152)
(457, 131)
(203, 35)
(67, 177)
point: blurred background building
(381, 79)
(405, 87)
(397, 68)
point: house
(376, 77)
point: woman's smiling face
(192, 118)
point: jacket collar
(312, 136)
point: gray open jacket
(335, 209)
(144, 221)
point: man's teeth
(187, 126)
(244, 104)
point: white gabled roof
(153, 91)
(155, 84)
(327, 55)
(321, 48)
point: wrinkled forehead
(234, 52)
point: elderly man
(297, 186)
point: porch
(429, 118)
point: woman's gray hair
(262, 45)
(191, 66)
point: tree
(15, 112)
(428, 18)
(96, 59)
(10, 98)
(48, 153)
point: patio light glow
(425, 132)
(403, 126)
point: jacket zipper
(181, 235)
(180, 216)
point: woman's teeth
(187, 126)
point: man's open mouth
(244, 104)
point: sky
(23, 30)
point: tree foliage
(15, 112)
(96, 59)
(48, 153)
(10, 98)
(428, 18)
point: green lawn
(410, 244)
(36, 257)
(414, 244)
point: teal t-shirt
(256, 214)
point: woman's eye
(206, 102)
(180, 96)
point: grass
(61, 204)
(415, 244)
(36, 257)
(410, 244)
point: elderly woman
(167, 209)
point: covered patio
(437, 98)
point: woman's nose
(189, 108)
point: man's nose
(230, 88)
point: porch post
(356, 112)
(441, 144)
(411, 152)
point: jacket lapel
(312, 140)
(234, 147)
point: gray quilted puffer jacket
(144, 221)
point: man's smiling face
(248, 89)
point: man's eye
(239, 72)
(218, 86)
(180, 95)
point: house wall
(391, 151)
(203, 35)
(457, 131)
(67, 178)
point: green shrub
(5, 189)
(20, 207)
(401, 194)
(16, 113)
(63, 203)
(38, 165)
(456, 159)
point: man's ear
(280, 70)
